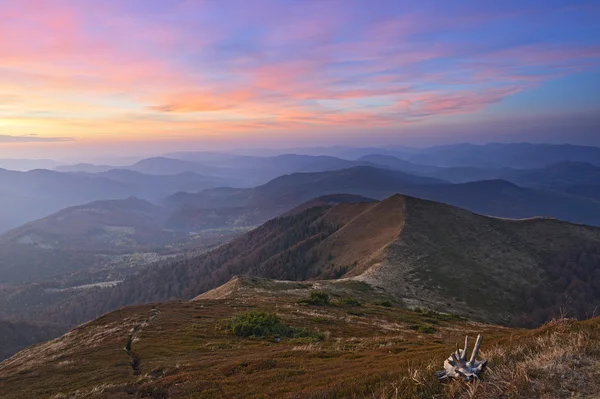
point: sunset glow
(110, 71)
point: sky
(132, 76)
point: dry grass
(185, 351)
(560, 360)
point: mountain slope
(418, 251)
(395, 163)
(271, 165)
(27, 196)
(455, 259)
(71, 238)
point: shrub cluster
(423, 329)
(351, 301)
(262, 324)
(316, 298)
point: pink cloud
(268, 65)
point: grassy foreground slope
(184, 350)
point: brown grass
(369, 352)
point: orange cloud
(109, 70)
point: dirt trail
(135, 360)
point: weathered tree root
(457, 366)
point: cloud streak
(5, 138)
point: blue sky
(132, 75)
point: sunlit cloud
(147, 69)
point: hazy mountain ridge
(554, 176)
(84, 168)
(24, 165)
(491, 197)
(494, 155)
(38, 193)
(27, 196)
(160, 176)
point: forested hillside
(19, 335)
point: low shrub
(423, 329)
(316, 298)
(351, 301)
(386, 304)
(257, 324)
(262, 324)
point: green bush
(316, 298)
(351, 301)
(258, 324)
(262, 324)
(386, 304)
(423, 329)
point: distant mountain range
(493, 155)
(490, 197)
(488, 156)
(28, 164)
(26, 196)
(238, 171)
(514, 155)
